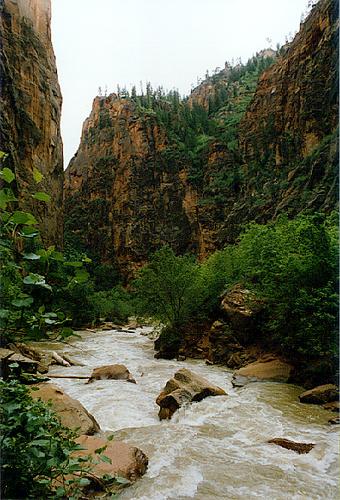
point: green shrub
(35, 449)
(113, 305)
(292, 264)
(167, 288)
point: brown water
(213, 449)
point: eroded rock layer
(30, 106)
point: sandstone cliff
(265, 146)
(124, 190)
(30, 106)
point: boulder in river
(241, 307)
(300, 448)
(269, 369)
(320, 395)
(111, 372)
(126, 461)
(70, 411)
(184, 387)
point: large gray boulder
(241, 307)
(184, 387)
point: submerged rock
(300, 448)
(70, 411)
(185, 387)
(332, 406)
(111, 372)
(320, 395)
(269, 369)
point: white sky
(167, 42)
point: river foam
(213, 449)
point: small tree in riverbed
(167, 287)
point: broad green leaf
(31, 256)
(122, 480)
(81, 275)
(37, 176)
(60, 492)
(66, 332)
(41, 196)
(40, 442)
(6, 196)
(3, 155)
(24, 302)
(106, 459)
(73, 264)
(28, 232)
(7, 175)
(13, 365)
(84, 481)
(36, 280)
(57, 256)
(100, 450)
(50, 315)
(5, 216)
(23, 218)
(49, 321)
(4, 313)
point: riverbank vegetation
(290, 265)
(45, 293)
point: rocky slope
(30, 106)
(265, 147)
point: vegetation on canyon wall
(290, 265)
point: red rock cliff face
(288, 136)
(131, 196)
(126, 192)
(30, 106)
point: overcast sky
(102, 43)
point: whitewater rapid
(215, 449)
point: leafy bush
(292, 264)
(33, 277)
(113, 305)
(35, 449)
(167, 287)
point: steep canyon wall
(129, 188)
(30, 107)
